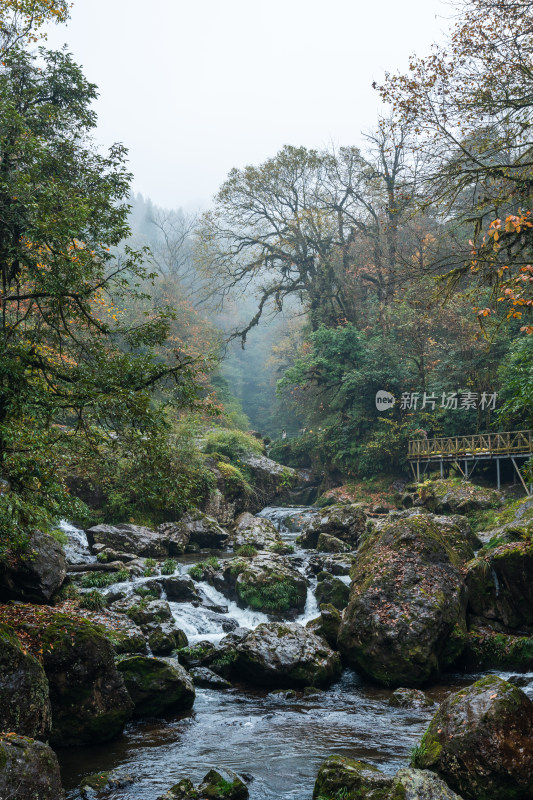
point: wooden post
(466, 469)
(520, 476)
(498, 472)
(441, 469)
(418, 471)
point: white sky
(196, 88)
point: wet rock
(330, 544)
(488, 649)
(150, 614)
(180, 589)
(183, 790)
(130, 641)
(223, 785)
(344, 522)
(339, 564)
(406, 617)
(175, 537)
(270, 479)
(420, 784)
(201, 531)
(198, 654)
(327, 625)
(128, 538)
(206, 678)
(500, 587)
(157, 685)
(332, 590)
(285, 694)
(266, 583)
(28, 770)
(351, 780)
(37, 573)
(442, 496)
(410, 698)
(480, 742)
(89, 701)
(24, 698)
(163, 640)
(92, 786)
(285, 655)
(255, 531)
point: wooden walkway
(470, 450)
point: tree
(70, 365)
(306, 227)
(21, 20)
(470, 103)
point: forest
(199, 476)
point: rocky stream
(274, 738)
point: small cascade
(496, 582)
(77, 548)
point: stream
(275, 743)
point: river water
(278, 744)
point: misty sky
(195, 88)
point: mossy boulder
(330, 544)
(410, 698)
(332, 590)
(180, 589)
(164, 639)
(89, 701)
(327, 625)
(225, 785)
(157, 685)
(151, 614)
(346, 778)
(457, 497)
(285, 655)
(266, 583)
(480, 741)
(29, 770)
(37, 573)
(488, 649)
(420, 784)
(254, 531)
(406, 617)
(344, 522)
(24, 697)
(500, 586)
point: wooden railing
(483, 444)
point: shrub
(101, 579)
(247, 550)
(233, 444)
(168, 567)
(197, 572)
(93, 600)
(67, 592)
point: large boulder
(269, 479)
(327, 625)
(255, 531)
(129, 539)
(180, 588)
(157, 685)
(266, 583)
(406, 617)
(200, 531)
(24, 697)
(90, 703)
(28, 770)
(285, 655)
(351, 780)
(344, 522)
(332, 590)
(37, 573)
(450, 496)
(500, 586)
(488, 649)
(480, 741)
(420, 784)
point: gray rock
(29, 770)
(37, 574)
(180, 588)
(286, 655)
(24, 697)
(206, 678)
(130, 539)
(255, 531)
(157, 685)
(344, 522)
